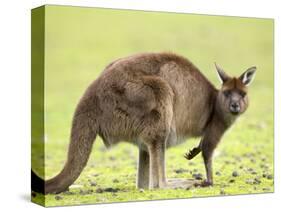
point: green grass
(80, 42)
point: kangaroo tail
(37, 184)
(83, 134)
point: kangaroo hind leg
(143, 169)
(156, 151)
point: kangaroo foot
(180, 183)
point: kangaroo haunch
(155, 101)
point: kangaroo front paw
(192, 153)
(206, 183)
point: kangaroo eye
(242, 93)
(227, 93)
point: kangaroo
(154, 101)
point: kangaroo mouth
(234, 112)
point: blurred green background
(80, 42)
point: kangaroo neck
(221, 116)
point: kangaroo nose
(234, 107)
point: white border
(15, 103)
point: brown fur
(154, 101)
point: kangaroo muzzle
(234, 108)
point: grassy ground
(80, 42)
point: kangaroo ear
(248, 76)
(222, 75)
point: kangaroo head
(232, 97)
